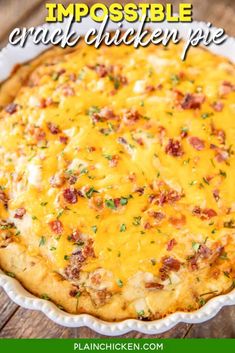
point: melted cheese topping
(128, 153)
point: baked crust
(116, 178)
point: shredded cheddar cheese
(117, 178)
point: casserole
(167, 192)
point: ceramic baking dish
(9, 57)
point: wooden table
(17, 322)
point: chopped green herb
(193, 182)
(110, 204)
(224, 256)
(140, 313)
(94, 228)
(6, 226)
(205, 181)
(59, 214)
(123, 228)
(42, 241)
(229, 224)
(175, 79)
(81, 74)
(153, 262)
(195, 246)
(212, 162)
(119, 283)
(10, 274)
(92, 110)
(55, 76)
(223, 173)
(206, 115)
(202, 301)
(109, 157)
(43, 204)
(52, 248)
(45, 296)
(90, 192)
(34, 218)
(226, 273)
(66, 257)
(123, 201)
(136, 221)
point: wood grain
(16, 322)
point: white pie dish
(9, 57)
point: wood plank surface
(16, 322)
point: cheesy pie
(117, 172)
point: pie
(117, 179)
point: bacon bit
(165, 196)
(100, 297)
(159, 216)
(171, 263)
(72, 179)
(114, 161)
(153, 285)
(147, 225)
(37, 133)
(217, 251)
(171, 244)
(63, 139)
(204, 214)
(117, 202)
(225, 88)
(218, 106)
(131, 116)
(56, 226)
(204, 251)
(101, 70)
(54, 129)
(140, 141)
(219, 133)
(96, 279)
(88, 250)
(73, 292)
(73, 77)
(173, 148)
(178, 222)
(71, 195)
(19, 213)
(122, 141)
(96, 203)
(159, 86)
(139, 191)
(149, 88)
(68, 91)
(11, 108)
(76, 235)
(161, 133)
(197, 143)
(45, 102)
(132, 177)
(216, 194)
(104, 114)
(221, 155)
(57, 180)
(183, 134)
(4, 199)
(76, 260)
(192, 261)
(192, 101)
(91, 149)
